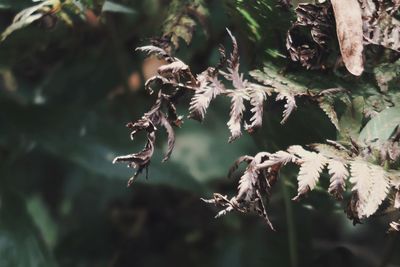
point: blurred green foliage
(66, 93)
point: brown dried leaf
(253, 187)
(140, 160)
(349, 28)
(290, 105)
(371, 183)
(236, 114)
(339, 174)
(311, 166)
(257, 97)
(379, 23)
(171, 136)
(209, 88)
(154, 50)
(318, 20)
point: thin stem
(292, 240)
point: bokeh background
(65, 96)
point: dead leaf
(349, 28)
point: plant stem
(290, 226)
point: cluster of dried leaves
(370, 183)
(176, 79)
(365, 167)
(358, 23)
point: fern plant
(364, 162)
(364, 159)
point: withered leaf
(171, 136)
(290, 105)
(151, 49)
(140, 160)
(349, 28)
(252, 190)
(257, 97)
(236, 114)
(209, 88)
(318, 20)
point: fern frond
(290, 105)
(311, 166)
(209, 88)
(371, 184)
(327, 107)
(246, 188)
(258, 95)
(171, 135)
(339, 173)
(279, 158)
(236, 114)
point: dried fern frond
(258, 95)
(339, 174)
(318, 20)
(177, 79)
(253, 190)
(370, 182)
(290, 105)
(148, 123)
(236, 114)
(154, 50)
(311, 166)
(209, 88)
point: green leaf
(350, 121)
(20, 244)
(381, 126)
(117, 8)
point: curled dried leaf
(252, 190)
(290, 105)
(318, 20)
(140, 160)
